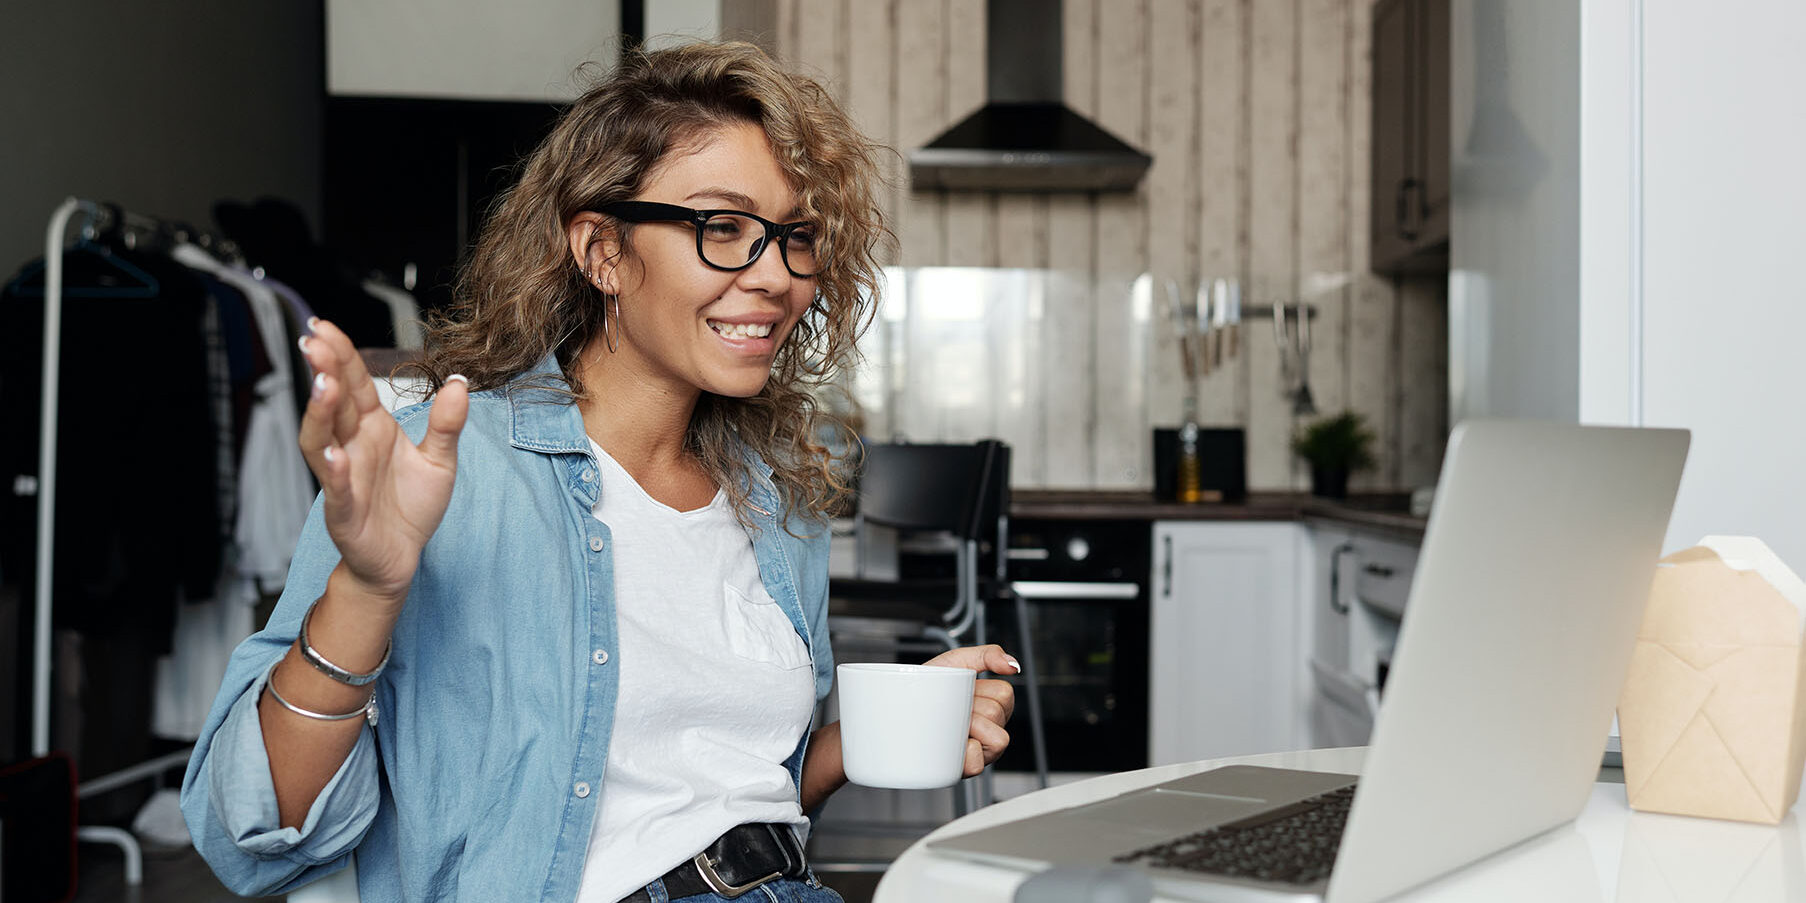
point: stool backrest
(957, 488)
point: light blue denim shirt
(482, 777)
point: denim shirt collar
(544, 419)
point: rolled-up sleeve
(228, 796)
(812, 593)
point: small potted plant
(1334, 447)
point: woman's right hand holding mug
(384, 495)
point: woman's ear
(596, 249)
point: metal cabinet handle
(1063, 589)
(1166, 570)
(1335, 578)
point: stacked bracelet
(368, 709)
(348, 678)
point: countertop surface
(1386, 512)
(1380, 512)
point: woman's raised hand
(384, 495)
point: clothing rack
(97, 217)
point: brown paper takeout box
(1710, 719)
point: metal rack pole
(46, 490)
(47, 419)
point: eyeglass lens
(731, 241)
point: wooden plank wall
(1256, 113)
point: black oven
(1085, 587)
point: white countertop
(1609, 853)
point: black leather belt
(742, 859)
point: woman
(559, 633)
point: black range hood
(1024, 138)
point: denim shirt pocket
(759, 631)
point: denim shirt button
(601, 656)
(595, 543)
(582, 789)
(588, 475)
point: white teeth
(741, 330)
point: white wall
(1644, 271)
(1724, 243)
(671, 22)
(471, 49)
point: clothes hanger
(90, 270)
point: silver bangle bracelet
(348, 678)
(367, 710)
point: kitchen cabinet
(1360, 583)
(1227, 674)
(1410, 203)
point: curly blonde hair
(520, 296)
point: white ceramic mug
(905, 726)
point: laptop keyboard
(1295, 844)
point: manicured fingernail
(313, 324)
(319, 386)
(460, 378)
(330, 455)
(302, 344)
(1014, 664)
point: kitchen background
(1257, 117)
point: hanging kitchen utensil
(1235, 317)
(1282, 342)
(1182, 318)
(1206, 338)
(1219, 320)
(1302, 403)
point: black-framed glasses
(730, 240)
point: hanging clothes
(135, 450)
(181, 486)
(299, 313)
(190, 674)
(236, 362)
(275, 488)
(138, 513)
(410, 332)
(273, 493)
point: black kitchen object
(1166, 463)
(1025, 138)
(1223, 462)
(1084, 583)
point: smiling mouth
(740, 330)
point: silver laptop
(1517, 635)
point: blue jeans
(784, 890)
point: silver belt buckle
(716, 884)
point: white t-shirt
(716, 688)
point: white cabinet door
(1352, 616)
(1325, 611)
(1340, 714)
(1227, 649)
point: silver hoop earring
(608, 335)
